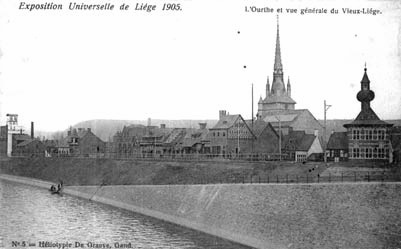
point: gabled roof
(258, 126)
(26, 142)
(298, 140)
(194, 136)
(226, 121)
(367, 117)
(281, 117)
(175, 136)
(338, 141)
(287, 117)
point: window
(355, 134)
(374, 134)
(362, 134)
(355, 152)
(224, 134)
(369, 135)
(363, 153)
(375, 154)
(381, 134)
(369, 153)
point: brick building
(337, 147)
(81, 142)
(30, 148)
(231, 136)
(368, 136)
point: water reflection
(32, 214)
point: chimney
(149, 121)
(222, 113)
(202, 126)
(162, 126)
(32, 131)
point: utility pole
(326, 107)
(252, 125)
(238, 137)
(279, 136)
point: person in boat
(52, 188)
(60, 186)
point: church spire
(278, 67)
(288, 87)
(267, 87)
(278, 87)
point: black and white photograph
(200, 124)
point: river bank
(349, 215)
(89, 171)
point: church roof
(279, 99)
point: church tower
(277, 97)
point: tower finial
(365, 66)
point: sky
(61, 67)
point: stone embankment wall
(364, 215)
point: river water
(31, 217)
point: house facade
(230, 137)
(299, 146)
(368, 136)
(337, 147)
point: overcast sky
(61, 67)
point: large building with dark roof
(368, 136)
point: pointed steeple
(278, 67)
(267, 87)
(365, 95)
(288, 87)
(278, 87)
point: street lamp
(326, 107)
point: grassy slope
(114, 172)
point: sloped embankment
(74, 171)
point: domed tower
(368, 137)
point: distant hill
(105, 129)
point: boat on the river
(54, 190)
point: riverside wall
(362, 215)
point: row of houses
(232, 137)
